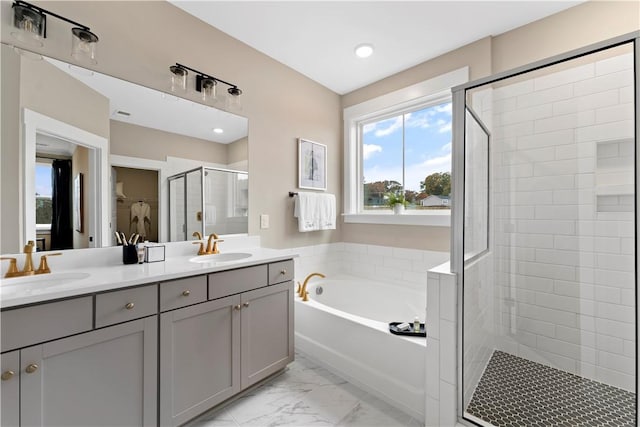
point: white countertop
(60, 284)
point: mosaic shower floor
(517, 392)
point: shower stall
(545, 241)
(208, 200)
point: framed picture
(78, 201)
(312, 165)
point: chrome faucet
(302, 289)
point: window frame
(421, 95)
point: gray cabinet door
(107, 377)
(10, 391)
(267, 331)
(199, 358)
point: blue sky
(43, 179)
(427, 146)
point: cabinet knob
(186, 293)
(237, 307)
(7, 375)
(283, 271)
(31, 368)
(129, 305)
(245, 304)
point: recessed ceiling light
(364, 50)
(218, 130)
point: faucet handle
(13, 267)
(44, 266)
(29, 247)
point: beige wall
(139, 40)
(238, 152)
(573, 28)
(278, 117)
(80, 164)
(138, 141)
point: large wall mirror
(85, 155)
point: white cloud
(394, 126)
(368, 127)
(446, 108)
(444, 126)
(369, 149)
(446, 148)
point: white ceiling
(317, 38)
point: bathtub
(345, 328)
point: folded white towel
(315, 211)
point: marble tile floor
(306, 395)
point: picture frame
(312, 165)
(78, 201)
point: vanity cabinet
(10, 388)
(104, 377)
(211, 351)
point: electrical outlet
(264, 221)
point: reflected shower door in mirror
(208, 200)
(117, 123)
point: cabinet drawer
(232, 282)
(128, 304)
(31, 325)
(183, 292)
(280, 271)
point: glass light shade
(83, 45)
(209, 89)
(233, 100)
(178, 79)
(29, 25)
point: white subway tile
(603, 83)
(546, 139)
(617, 362)
(448, 356)
(576, 336)
(574, 289)
(397, 263)
(433, 368)
(615, 262)
(545, 96)
(567, 349)
(617, 312)
(567, 121)
(448, 405)
(570, 75)
(629, 348)
(560, 317)
(610, 344)
(377, 250)
(523, 115)
(620, 279)
(626, 94)
(628, 297)
(538, 183)
(513, 130)
(545, 227)
(587, 323)
(587, 370)
(601, 132)
(432, 412)
(529, 156)
(538, 284)
(608, 294)
(433, 308)
(585, 180)
(616, 378)
(614, 113)
(614, 64)
(448, 301)
(513, 90)
(536, 326)
(557, 212)
(587, 102)
(563, 257)
(408, 254)
(564, 303)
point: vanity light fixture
(30, 24)
(206, 84)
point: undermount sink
(48, 279)
(39, 283)
(224, 257)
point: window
(44, 190)
(408, 154)
(399, 145)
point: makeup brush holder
(129, 254)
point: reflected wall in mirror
(97, 123)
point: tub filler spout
(302, 289)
